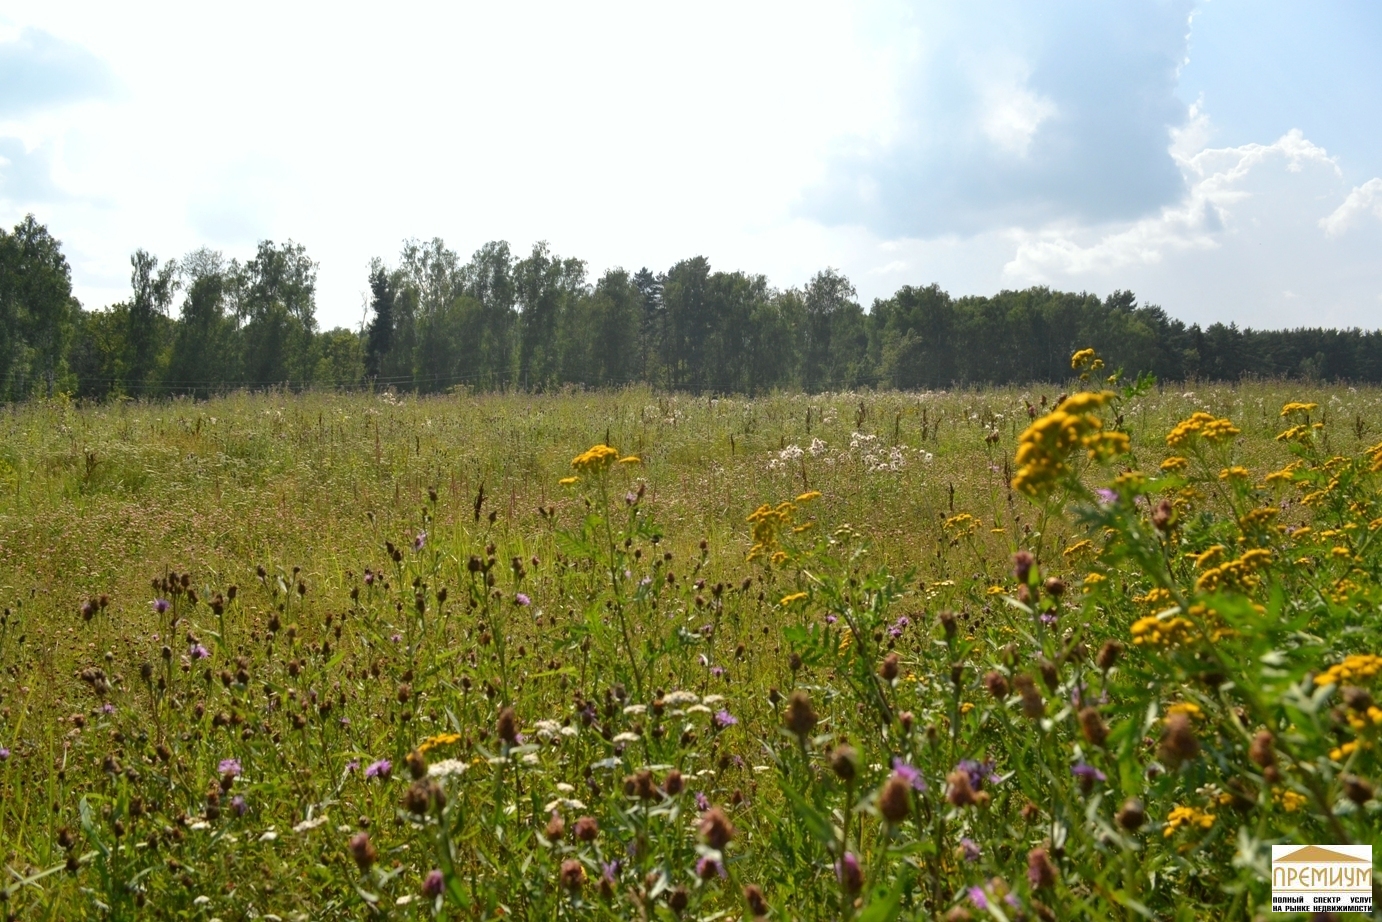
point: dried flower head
(800, 716)
(716, 829)
(895, 800)
(1178, 742)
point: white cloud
(1011, 115)
(1362, 200)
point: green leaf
(811, 818)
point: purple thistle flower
(521, 599)
(1106, 496)
(230, 767)
(611, 870)
(725, 719)
(238, 805)
(200, 652)
(702, 802)
(420, 541)
(107, 708)
(369, 577)
(381, 769)
(160, 605)
(909, 773)
(717, 671)
(433, 884)
(970, 849)
(831, 619)
(4, 753)
(708, 866)
(352, 766)
(1048, 618)
(1083, 771)
(979, 898)
(978, 772)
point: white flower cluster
(867, 450)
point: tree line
(203, 324)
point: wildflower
(673, 784)
(420, 541)
(1175, 463)
(1041, 873)
(1106, 496)
(793, 597)
(1086, 774)
(567, 481)
(895, 801)
(440, 739)
(844, 762)
(1160, 630)
(522, 600)
(909, 774)
(849, 873)
(1131, 815)
(1290, 801)
(1108, 655)
(1022, 565)
(199, 652)
(229, 768)
(1092, 726)
(238, 805)
(1033, 707)
(595, 459)
(808, 496)
(1186, 816)
(800, 715)
(1178, 742)
(959, 791)
(753, 897)
(160, 605)
(888, 669)
(587, 829)
(572, 874)
(631, 459)
(1354, 668)
(507, 726)
(381, 770)
(4, 753)
(447, 768)
(363, 851)
(433, 884)
(715, 829)
(708, 867)
(702, 802)
(724, 718)
(978, 898)
(1306, 408)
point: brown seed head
(1358, 790)
(1132, 815)
(1357, 698)
(800, 716)
(587, 829)
(1262, 752)
(1040, 871)
(958, 790)
(556, 828)
(895, 800)
(1108, 655)
(753, 898)
(716, 830)
(572, 875)
(1178, 742)
(844, 762)
(997, 684)
(1033, 707)
(673, 784)
(417, 764)
(363, 851)
(1092, 726)
(888, 669)
(507, 726)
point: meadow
(945, 655)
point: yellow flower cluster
(1290, 801)
(1077, 548)
(1175, 463)
(441, 739)
(1189, 817)
(1358, 667)
(1154, 631)
(1258, 518)
(595, 459)
(960, 525)
(1237, 472)
(1360, 721)
(1046, 443)
(1204, 425)
(1306, 408)
(1154, 596)
(1239, 574)
(1283, 475)
(768, 522)
(1188, 708)
(1376, 453)
(792, 597)
(1083, 357)
(1293, 434)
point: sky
(1221, 158)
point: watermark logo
(1315, 878)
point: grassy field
(318, 656)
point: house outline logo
(1314, 878)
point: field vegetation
(1081, 650)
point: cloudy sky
(1220, 158)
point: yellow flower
(966, 707)
(1344, 751)
(1203, 425)
(808, 496)
(1175, 463)
(1356, 667)
(596, 458)
(1157, 631)
(441, 739)
(1290, 408)
(1188, 708)
(1189, 817)
(567, 481)
(793, 597)
(995, 590)
(1290, 801)
(1082, 357)
(631, 459)
(1237, 472)
(1046, 444)
(1076, 548)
